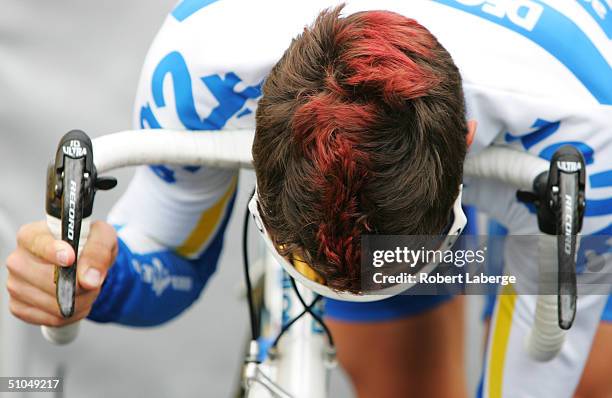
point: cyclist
(361, 128)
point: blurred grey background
(69, 64)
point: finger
(26, 293)
(36, 272)
(97, 256)
(37, 239)
(31, 295)
(93, 265)
(31, 269)
(34, 315)
(85, 300)
(104, 235)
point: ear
(471, 125)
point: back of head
(361, 130)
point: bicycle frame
(298, 365)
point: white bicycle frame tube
(232, 149)
(299, 368)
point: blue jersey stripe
(598, 207)
(602, 16)
(601, 180)
(186, 8)
(564, 40)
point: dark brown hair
(361, 130)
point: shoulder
(207, 63)
(527, 46)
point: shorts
(396, 307)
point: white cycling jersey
(536, 75)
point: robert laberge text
(422, 277)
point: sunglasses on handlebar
(307, 277)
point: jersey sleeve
(170, 239)
(172, 219)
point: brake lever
(566, 191)
(72, 182)
(559, 197)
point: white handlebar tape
(546, 337)
(505, 164)
(62, 335)
(230, 149)
(65, 334)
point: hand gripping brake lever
(72, 182)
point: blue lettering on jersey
(231, 102)
(245, 112)
(174, 65)
(601, 179)
(545, 129)
(601, 11)
(598, 207)
(146, 115)
(223, 89)
(186, 8)
(554, 32)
